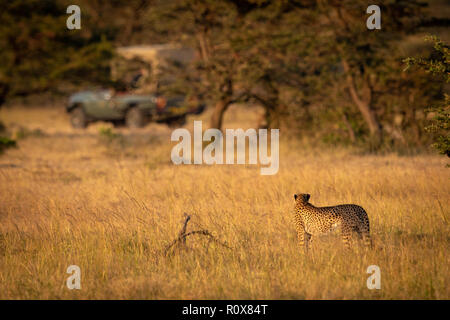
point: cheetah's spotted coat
(312, 221)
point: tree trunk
(363, 105)
(219, 110)
(204, 52)
(226, 98)
(351, 132)
(272, 117)
(268, 97)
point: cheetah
(312, 221)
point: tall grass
(66, 199)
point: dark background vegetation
(312, 65)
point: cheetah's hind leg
(356, 230)
(364, 230)
(367, 240)
(363, 235)
(346, 234)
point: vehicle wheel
(134, 118)
(78, 118)
(178, 122)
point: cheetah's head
(301, 198)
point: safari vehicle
(137, 100)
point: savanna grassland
(111, 201)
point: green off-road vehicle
(138, 102)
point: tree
(40, 54)
(221, 33)
(365, 55)
(438, 64)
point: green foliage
(438, 64)
(440, 126)
(108, 133)
(40, 54)
(6, 143)
(111, 138)
(23, 133)
(299, 59)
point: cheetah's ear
(295, 196)
(307, 196)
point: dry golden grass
(111, 207)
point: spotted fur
(312, 221)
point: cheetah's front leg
(304, 240)
(301, 239)
(308, 241)
(302, 235)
